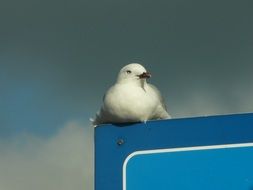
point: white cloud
(61, 162)
(205, 102)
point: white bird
(132, 99)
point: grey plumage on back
(132, 99)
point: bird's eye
(128, 71)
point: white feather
(131, 99)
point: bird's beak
(144, 75)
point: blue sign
(226, 167)
(194, 153)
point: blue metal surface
(175, 133)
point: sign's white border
(196, 148)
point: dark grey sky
(57, 58)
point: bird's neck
(138, 83)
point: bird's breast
(129, 102)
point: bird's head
(134, 73)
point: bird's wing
(102, 115)
(162, 108)
(162, 100)
(99, 115)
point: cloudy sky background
(57, 58)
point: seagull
(132, 99)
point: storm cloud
(57, 58)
